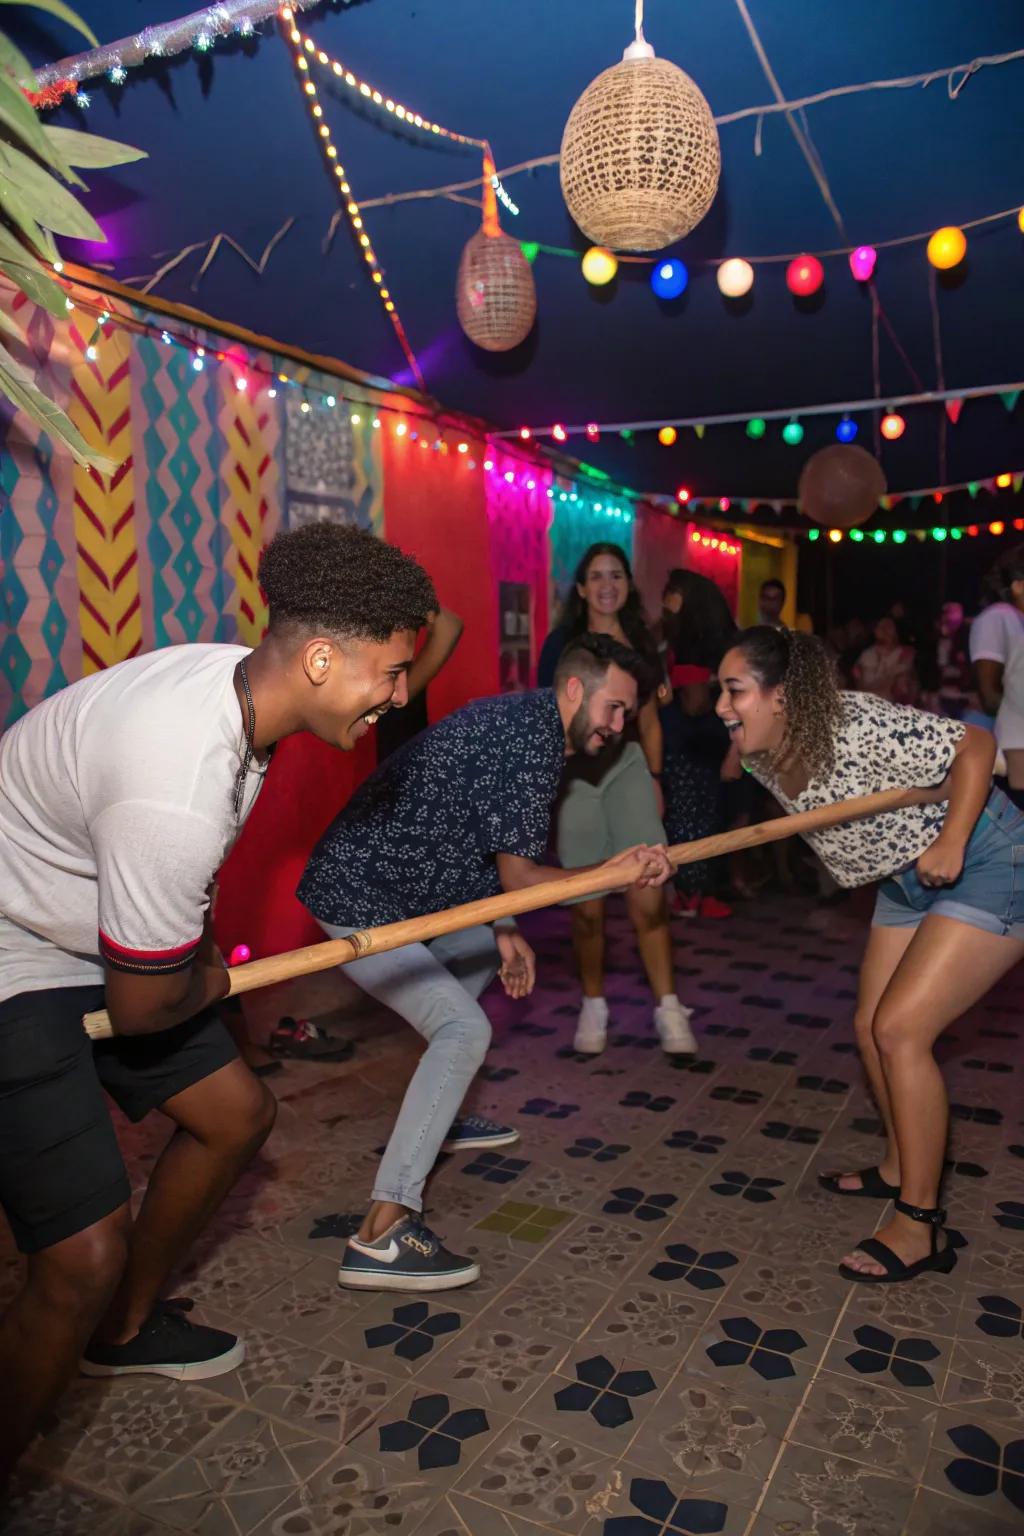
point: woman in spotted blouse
(949, 915)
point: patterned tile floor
(659, 1345)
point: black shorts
(60, 1166)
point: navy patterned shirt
(421, 834)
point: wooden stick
(417, 930)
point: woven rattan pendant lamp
(494, 292)
(640, 159)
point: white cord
(638, 21)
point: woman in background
(886, 668)
(613, 802)
(997, 651)
(698, 629)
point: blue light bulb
(669, 278)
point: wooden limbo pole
(417, 930)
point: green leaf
(30, 275)
(89, 149)
(13, 207)
(46, 199)
(16, 64)
(10, 325)
(20, 388)
(63, 12)
(20, 118)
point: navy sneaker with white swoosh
(407, 1257)
(469, 1132)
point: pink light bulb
(240, 954)
(862, 262)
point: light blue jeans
(434, 987)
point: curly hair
(1000, 577)
(804, 669)
(343, 582)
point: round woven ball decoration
(841, 486)
(494, 292)
(640, 159)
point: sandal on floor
(939, 1261)
(872, 1185)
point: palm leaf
(19, 387)
(16, 64)
(13, 206)
(30, 275)
(63, 12)
(19, 117)
(45, 198)
(89, 149)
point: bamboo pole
(417, 930)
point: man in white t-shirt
(997, 653)
(119, 800)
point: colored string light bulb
(683, 495)
(899, 536)
(997, 528)
(862, 262)
(804, 276)
(593, 432)
(756, 427)
(599, 266)
(1004, 481)
(793, 433)
(735, 278)
(947, 248)
(893, 426)
(940, 535)
(846, 430)
(559, 433)
(836, 535)
(669, 278)
(667, 436)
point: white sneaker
(592, 1028)
(672, 1021)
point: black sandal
(872, 1185)
(939, 1261)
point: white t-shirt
(996, 635)
(116, 811)
(878, 746)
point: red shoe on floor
(684, 906)
(710, 906)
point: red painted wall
(435, 509)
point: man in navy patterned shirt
(462, 812)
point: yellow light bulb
(301, 62)
(337, 68)
(947, 248)
(364, 240)
(323, 58)
(378, 98)
(353, 207)
(599, 266)
(296, 35)
(318, 110)
(384, 294)
(357, 223)
(307, 43)
(400, 112)
(389, 307)
(310, 88)
(332, 151)
(350, 78)
(325, 132)
(364, 89)
(390, 105)
(377, 277)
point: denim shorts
(990, 891)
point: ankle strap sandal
(939, 1260)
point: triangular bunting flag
(885, 502)
(744, 506)
(894, 500)
(1010, 398)
(972, 488)
(915, 502)
(1018, 480)
(953, 409)
(699, 431)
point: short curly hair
(343, 582)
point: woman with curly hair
(614, 801)
(949, 916)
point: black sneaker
(167, 1344)
(471, 1131)
(408, 1257)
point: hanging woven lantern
(494, 291)
(840, 486)
(640, 160)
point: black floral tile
(727, 1093)
(1009, 1214)
(772, 1058)
(660, 1513)
(549, 1109)
(434, 1430)
(908, 1360)
(759, 1191)
(683, 1265)
(815, 1084)
(493, 1168)
(603, 1392)
(985, 1467)
(695, 1141)
(637, 1098)
(596, 1149)
(800, 1135)
(629, 1201)
(413, 1331)
(999, 1318)
(768, 1352)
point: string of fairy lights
(344, 190)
